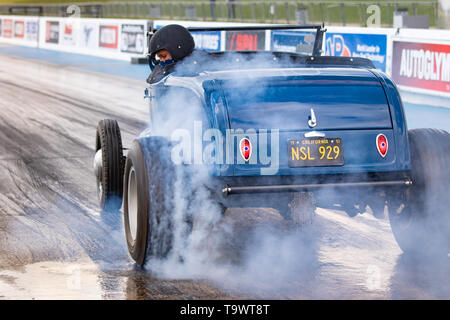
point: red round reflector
(246, 148)
(382, 144)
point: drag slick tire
(109, 165)
(420, 216)
(148, 195)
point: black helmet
(174, 38)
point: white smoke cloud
(244, 249)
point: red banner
(19, 29)
(421, 65)
(109, 37)
(7, 30)
(245, 40)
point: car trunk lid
(335, 99)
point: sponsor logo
(52, 32)
(209, 41)
(19, 29)
(245, 41)
(68, 29)
(422, 65)
(68, 34)
(425, 64)
(369, 46)
(32, 31)
(132, 38)
(88, 35)
(7, 28)
(293, 41)
(109, 36)
(87, 30)
(335, 46)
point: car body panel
(354, 104)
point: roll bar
(320, 30)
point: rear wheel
(109, 165)
(149, 193)
(420, 216)
(136, 203)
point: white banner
(126, 38)
(97, 37)
(19, 30)
(89, 34)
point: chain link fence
(345, 13)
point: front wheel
(108, 165)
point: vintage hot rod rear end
(288, 131)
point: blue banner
(207, 40)
(293, 41)
(32, 30)
(204, 40)
(370, 46)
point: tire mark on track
(76, 142)
(79, 103)
(59, 210)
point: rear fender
(400, 127)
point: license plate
(314, 152)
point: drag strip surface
(47, 132)
(54, 243)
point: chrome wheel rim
(98, 169)
(132, 204)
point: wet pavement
(55, 243)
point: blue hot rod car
(288, 130)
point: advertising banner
(245, 40)
(32, 30)
(109, 36)
(369, 46)
(293, 41)
(133, 37)
(69, 33)
(89, 35)
(19, 29)
(421, 65)
(208, 40)
(52, 32)
(7, 28)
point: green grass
(331, 14)
(219, 1)
(86, 1)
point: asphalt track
(55, 244)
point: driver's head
(171, 43)
(163, 55)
